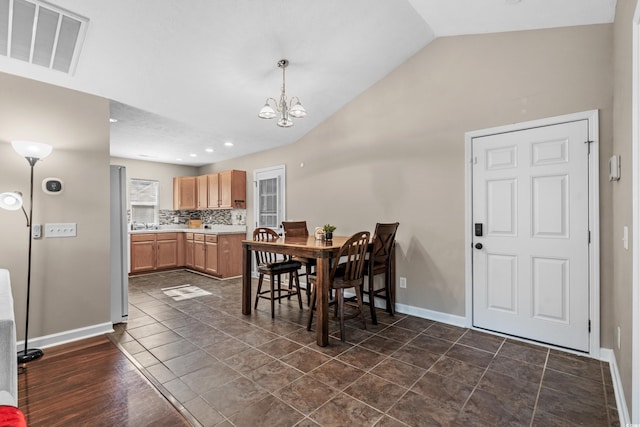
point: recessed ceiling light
(112, 120)
(193, 155)
(228, 144)
(179, 159)
(209, 150)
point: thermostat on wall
(52, 185)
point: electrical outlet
(403, 282)
(60, 230)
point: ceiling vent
(40, 33)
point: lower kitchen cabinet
(198, 252)
(188, 250)
(155, 251)
(143, 252)
(219, 255)
(211, 254)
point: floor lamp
(32, 151)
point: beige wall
(161, 172)
(620, 300)
(70, 276)
(396, 153)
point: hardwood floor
(91, 383)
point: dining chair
(378, 262)
(275, 265)
(299, 229)
(348, 273)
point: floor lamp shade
(31, 149)
(11, 201)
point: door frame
(594, 214)
(283, 205)
(635, 281)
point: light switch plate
(67, 229)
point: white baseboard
(438, 316)
(424, 313)
(67, 336)
(607, 355)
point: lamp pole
(29, 354)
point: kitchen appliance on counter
(119, 238)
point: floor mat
(182, 292)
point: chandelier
(293, 109)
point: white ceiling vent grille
(41, 34)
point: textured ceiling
(188, 75)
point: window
(269, 203)
(143, 200)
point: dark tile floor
(222, 368)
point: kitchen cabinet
(219, 255)
(198, 252)
(143, 252)
(222, 190)
(227, 189)
(155, 251)
(188, 250)
(202, 185)
(211, 254)
(185, 192)
(233, 189)
(230, 255)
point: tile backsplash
(211, 217)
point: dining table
(308, 247)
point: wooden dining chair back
(299, 229)
(380, 262)
(275, 265)
(295, 228)
(347, 272)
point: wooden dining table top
(308, 247)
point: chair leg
(297, 279)
(255, 306)
(273, 300)
(311, 308)
(341, 311)
(307, 273)
(390, 296)
(360, 305)
(372, 300)
(279, 288)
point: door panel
(531, 272)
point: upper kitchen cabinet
(222, 190)
(227, 189)
(202, 185)
(185, 192)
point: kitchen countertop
(217, 229)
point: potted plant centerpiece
(328, 231)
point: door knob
(478, 245)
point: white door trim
(635, 160)
(255, 191)
(594, 215)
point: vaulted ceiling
(190, 75)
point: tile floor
(222, 368)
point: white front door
(530, 240)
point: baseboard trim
(607, 355)
(67, 336)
